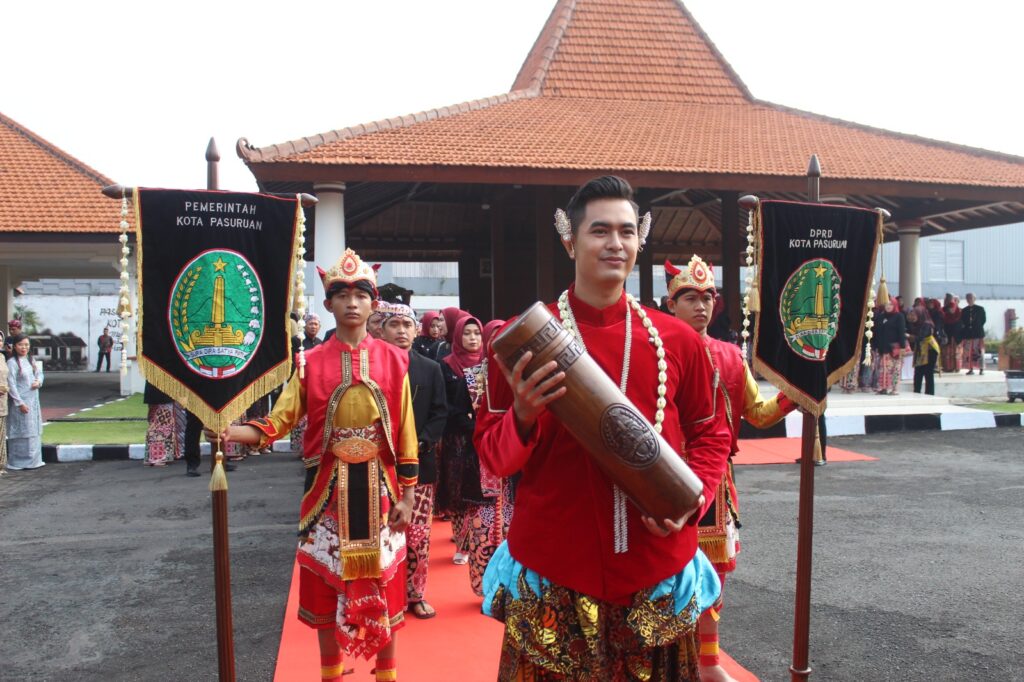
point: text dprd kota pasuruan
(219, 214)
(817, 239)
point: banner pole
(219, 504)
(222, 569)
(800, 669)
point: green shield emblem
(216, 313)
(809, 308)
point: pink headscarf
(451, 318)
(428, 319)
(489, 330)
(461, 358)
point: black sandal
(419, 609)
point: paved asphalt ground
(106, 569)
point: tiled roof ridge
(251, 154)
(909, 137)
(55, 151)
(534, 71)
(733, 75)
(535, 67)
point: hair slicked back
(604, 187)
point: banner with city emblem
(815, 272)
(215, 281)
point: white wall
(84, 316)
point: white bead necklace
(569, 324)
(620, 522)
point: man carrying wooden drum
(588, 588)
(691, 298)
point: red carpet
(785, 451)
(458, 644)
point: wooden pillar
(500, 283)
(645, 262)
(731, 256)
(551, 258)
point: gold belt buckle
(355, 450)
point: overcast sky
(136, 91)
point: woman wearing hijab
(951, 323)
(891, 335)
(24, 419)
(451, 317)
(470, 492)
(430, 337)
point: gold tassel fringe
(360, 563)
(218, 479)
(715, 548)
(755, 298)
(817, 444)
(211, 419)
(883, 292)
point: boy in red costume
(691, 298)
(360, 451)
(589, 589)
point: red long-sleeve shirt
(562, 526)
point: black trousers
(822, 436)
(926, 373)
(193, 435)
(99, 359)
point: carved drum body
(604, 421)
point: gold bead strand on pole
(300, 278)
(124, 304)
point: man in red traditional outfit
(587, 587)
(691, 298)
(360, 451)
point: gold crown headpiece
(349, 269)
(564, 227)
(696, 275)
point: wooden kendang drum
(604, 421)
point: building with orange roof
(53, 219)
(657, 104)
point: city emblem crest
(216, 313)
(809, 308)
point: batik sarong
(951, 357)
(417, 538)
(889, 373)
(973, 354)
(162, 444)
(486, 526)
(554, 633)
(297, 435)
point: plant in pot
(1013, 349)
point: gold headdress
(349, 269)
(697, 275)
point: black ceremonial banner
(816, 264)
(215, 276)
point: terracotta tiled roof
(44, 189)
(637, 86)
(649, 50)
